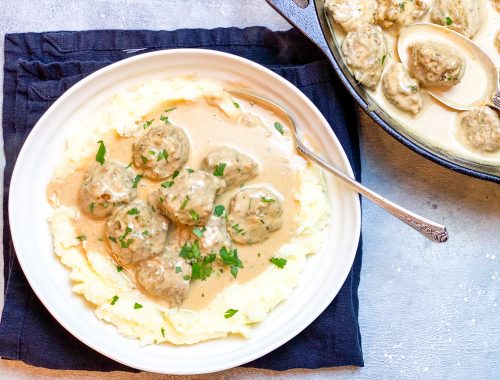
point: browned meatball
(231, 165)
(254, 213)
(463, 16)
(164, 277)
(161, 151)
(190, 197)
(214, 235)
(136, 232)
(105, 187)
(481, 127)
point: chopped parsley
(414, 89)
(278, 261)
(170, 109)
(101, 153)
(176, 173)
(81, 237)
(167, 184)
(230, 258)
(237, 228)
(125, 243)
(184, 202)
(202, 268)
(178, 269)
(112, 239)
(402, 5)
(162, 154)
(448, 20)
(147, 123)
(382, 60)
(144, 159)
(129, 165)
(119, 269)
(194, 215)
(189, 170)
(236, 105)
(199, 231)
(133, 211)
(229, 313)
(219, 169)
(190, 251)
(164, 119)
(267, 200)
(279, 127)
(113, 301)
(136, 180)
(137, 306)
(92, 207)
(145, 233)
(162, 332)
(186, 278)
(219, 210)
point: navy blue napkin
(39, 67)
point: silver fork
(431, 230)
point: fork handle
(431, 230)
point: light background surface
(426, 311)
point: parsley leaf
(144, 159)
(194, 215)
(184, 202)
(137, 306)
(101, 152)
(279, 127)
(219, 210)
(133, 211)
(170, 109)
(230, 258)
(81, 237)
(164, 119)
(136, 180)
(448, 20)
(125, 243)
(112, 239)
(176, 173)
(178, 269)
(167, 184)
(189, 170)
(236, 105)
(219, 169)
(278, 261)
(147, 123)
(162, 332)
(267, 200)
(113, 301)
(119, 269)
(201, 269)
(229, 313)
(162, 154)
(92, 207)
(237, 228)
(199, 231)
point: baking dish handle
(303, 15)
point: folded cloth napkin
(40, 67)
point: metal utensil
(472, 91)
(431, 230)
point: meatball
(254, 213)
(164, 277)
(364, 51)
(232, 166)
(161, 151)
(215, 235)
(351, 14)
(136, 232)
(106, 186)
(401, 89)
(400, 12)
(463, 16)
(481, 128)
(434, 64)
(190, 198)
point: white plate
(29, 210)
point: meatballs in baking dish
(364, 51)
(463, 16)
(351, 14)
(435, 64)
(481, 128)
(105, 187)
(136, 232)
(401, 89)
(161, 151)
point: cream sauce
(436, 124)
(207, 128)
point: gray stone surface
(427, 311)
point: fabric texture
(40, 67)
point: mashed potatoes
(240, 302)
